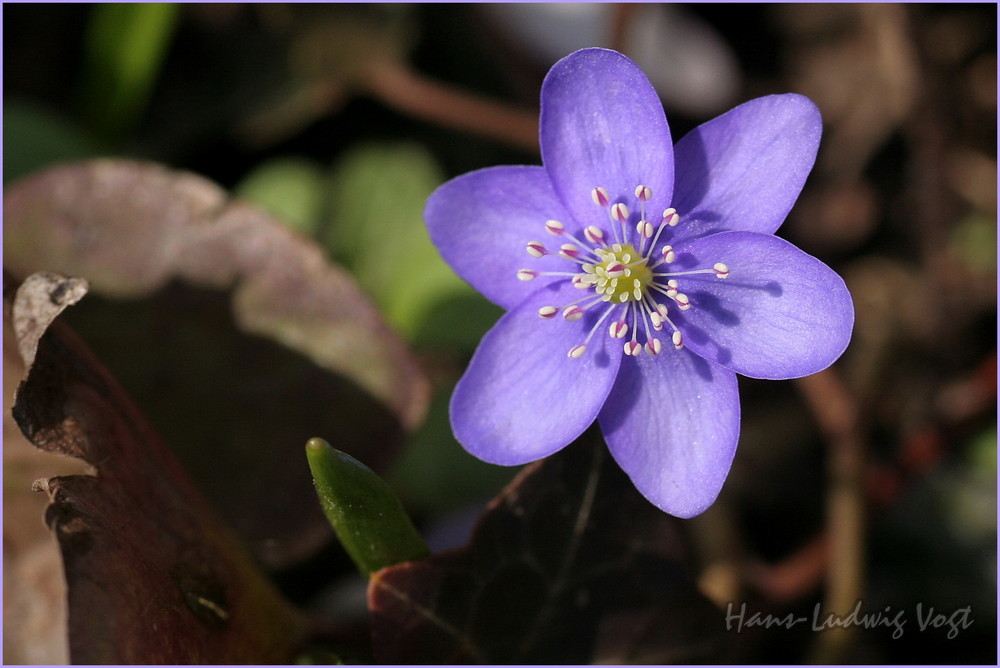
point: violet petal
(672, 423)
(602, 124)
(522, 397)
(743, 170)
(781, 313)
(482, 221)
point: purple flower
(639, 277)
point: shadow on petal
(712, 305)
(701, 367)
(695, 334)
(627, 392)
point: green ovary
(622, 275)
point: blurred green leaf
(291, 189)
(377, 230)
(974, 240)
(436, 474)
(124, 49)
(364, 511)
(34, 137)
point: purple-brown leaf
(562, 556)
(153, 575)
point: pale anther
(644, 228)
(677, 339)
(569, 251)
(682, 301)
(619, 212)
(536, 249)
(721, 270)
(554, 227)
(616, 270)
(653, 346)
(548, 312)
(643, 193)
(670, 217)
(577, 351)
(633, 348)
(526, 274)
(600, 196)
(618, 329)
(572, 313)
(668, 254)
(594, 234)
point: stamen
(590, 335)
(643, 194)
(536, 249)
(621, 272)
(568, 251)
(548, 312)
(554, 227)
(594, 235)
(657, 313)
(616, 270)
(633, 347)
(619, 212)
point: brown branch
(399, 87)
(837, 413)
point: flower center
(622, 274)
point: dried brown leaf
(153, 575)
(311, 355)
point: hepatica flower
(639, 278)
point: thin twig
(405, 90)
(836, 411)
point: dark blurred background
(344, 117)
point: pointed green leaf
(125, 48)
(365, 512)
